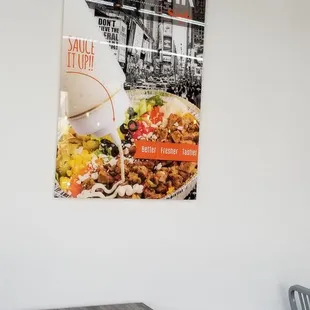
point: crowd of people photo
(188, 90)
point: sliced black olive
(131, 112)
(106, 142)
(132, 126)
(114, 151)
(123, 128)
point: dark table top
(138, 306)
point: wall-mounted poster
(129, 114)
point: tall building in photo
(197, 39)
(199, 15)
(167, 37)
(149, 18)
(155, 32)
(151, 24)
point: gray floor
(113, 307)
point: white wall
(238, 247)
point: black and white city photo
(159, 44)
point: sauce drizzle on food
(117, 188)
(121, 191)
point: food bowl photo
(89, 166)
